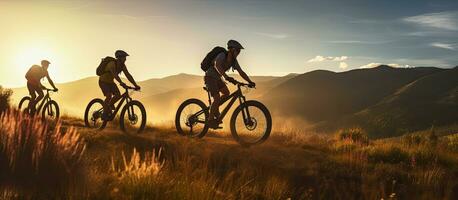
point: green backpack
(101, 68)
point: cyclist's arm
(50, 81)
(129, 76)
(241, 72)
(42, 86)
(244, 75)
(117, 78)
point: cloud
(327, 58)
(274, 36)
(443, 45)
(356, 42)
(343, 65)
(395, 65)
(441, 20)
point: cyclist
(222, 63)
(111, 71)
(34, 76)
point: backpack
(34, 73)
(208, 60)
(101, 68)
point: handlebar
(50, 90)
(240, 84)
(130, 88)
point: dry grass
(36, 160)
(291, 164)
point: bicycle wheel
(51, 111)
(24, 104)
(93, 114)
(133, 117)
(191, 118)
(253, 130)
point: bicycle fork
(130, 110)
(245, 112)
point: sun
(29, 56)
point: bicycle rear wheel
(251, 123)
(51, 111)
(133, 117)
(191, 118)
(93, 114)
(24, 104)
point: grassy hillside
(429, 101)
(385, 101)
(159, 164)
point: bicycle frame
(124, 97)
(45, 100)
(232, 97)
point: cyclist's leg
(40, 93)
(213, 87)
(116, 95)
(33, 96)
(108, 96)
(225, 92)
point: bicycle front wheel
(251, 123)
(133, 117)
(51, 111)
(191, 118)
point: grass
(160, 164)
(36, 160)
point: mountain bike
(48, 107)
(250, 123)
(132, 117)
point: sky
(171, 37)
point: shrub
(452, 143)
(37, 159)
(388, 154)
(355, 134)
(5, 95)
(413, 139)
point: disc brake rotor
(251, 124)
(133, 119)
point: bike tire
(87, 114)
(124, 111)
(55, 111)
(267, 116)
(178, 118)
(22, 104)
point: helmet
(234, 44)
(45, 62)
(121, 54)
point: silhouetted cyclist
(108, 70)
(220, 64)
(34, 76)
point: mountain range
(385, 101)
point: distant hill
(324, 95)
(429, 101)
(418, 97)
